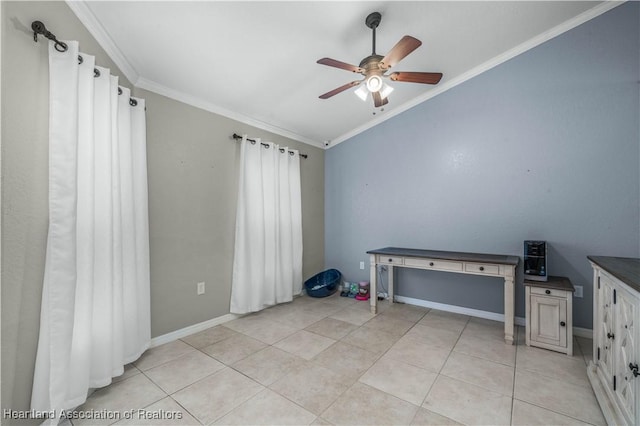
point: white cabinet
(549, 314)
(614, 369)
(602, 342)
(626, 352)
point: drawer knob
(634, 369)
(390, 260)
(610, 335)
(430, 263)
(562, 324)
(482, 268)
(548, 291)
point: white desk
(491, 265)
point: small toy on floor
(353, 290)
(363, 290)
(346, 288)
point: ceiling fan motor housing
(371, 65)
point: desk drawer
(389, 260)
(551, 292)
(480, 268)
(440, 265)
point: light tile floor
(330, 361)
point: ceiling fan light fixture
(386, 90)
(362, 92)
(374, 83)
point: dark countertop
(449, 255)
(554, 283)
(626, 269)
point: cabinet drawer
(548, 292)
(390, 260)
(479, 268)
(440, 265)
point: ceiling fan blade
(417, 77)
(378, 100)
(406, 45)
(339, 89)
(338, 64)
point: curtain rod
(266, 145)
(39, 28)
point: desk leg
(373, 290)
(509, 312)
(390, 275)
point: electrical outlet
(578, 292)
(361, 265)
(200, 288)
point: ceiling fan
(374, 67)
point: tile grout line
(286, 374)
(550, 409)
(451, 351)
(437, 373)
(515, 366)
(377, 356)
(486, 359)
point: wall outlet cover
(578, 292)
(200, 288)
(361, 265)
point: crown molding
(495, 61)
(89, 20)
(197, 102)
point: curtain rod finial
(39, 28)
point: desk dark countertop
(449, 255)
(626, 269)
(554, 283)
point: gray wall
(192, 168)
(544, 146)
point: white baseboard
(587, 333)
(192, 329)
(456, 309)
(577, 331)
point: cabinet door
(546, 315)
(605, 329)
(626, 352)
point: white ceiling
(256, 61)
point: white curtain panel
(267, 264)
(95, 314)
